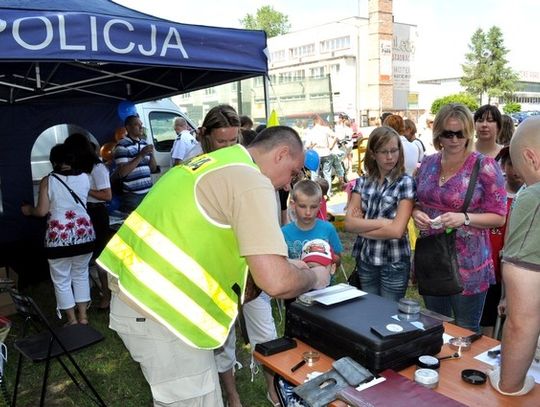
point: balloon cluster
(125, 109)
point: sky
(444, 27)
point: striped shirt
(138, 181)
(381, 201)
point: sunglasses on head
(449, 134)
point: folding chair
(51, 343)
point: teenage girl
(380, 207)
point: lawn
(108, 365)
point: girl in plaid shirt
(380, 207)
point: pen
(298, 365)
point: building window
(277, 56)
(335, 44)
(292, 97)
(317, 72)
(323, 95)
(302, 51)
(291, 76)
(186, 95)
(210, 91)
(334, 69)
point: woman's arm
(397, 226)
(355, 221)
(101, 194)
(477, 220)
(43, 204)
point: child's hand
(356, 212)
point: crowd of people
(177, 277)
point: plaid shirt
(381, 201)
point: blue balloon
(126, 108)
(311, 160)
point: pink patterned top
(473, 247)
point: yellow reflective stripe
(181, 262)
(168, 292)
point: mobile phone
(275, 346)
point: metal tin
(427, 377)
(428, 362)
(408, 306)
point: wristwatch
(467, 219)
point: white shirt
(420, 147)
(322, 138)
(183, 143)
(99, 179)
(410, 152)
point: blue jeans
(389, 280)
(467, 309)
(129, 201)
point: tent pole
(266, 97)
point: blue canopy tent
(73, 61)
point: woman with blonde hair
(442, 182)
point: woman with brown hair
(379, 209)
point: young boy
(306, 198)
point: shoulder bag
(435, 258)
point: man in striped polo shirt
(135, 161)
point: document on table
(534, 370)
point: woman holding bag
(442, 182)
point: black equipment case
(344, 329)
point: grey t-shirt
(521, 246)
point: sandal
(83, 321)
(74, 322)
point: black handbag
(435, 258)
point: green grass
(109, 366)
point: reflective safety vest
(176, 263)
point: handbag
(435, 258)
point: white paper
(331, 295)
(534, 370)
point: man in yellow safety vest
(178, 266)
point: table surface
(450, 382)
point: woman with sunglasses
(442, 182)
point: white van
(157, 117)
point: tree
(463, 98)
(512, 107)
(271, 21)
(486, 69)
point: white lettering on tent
(153, 48)
(106, 36)
(33, 47)
(93, 33)
(63, 38)
(166, 44)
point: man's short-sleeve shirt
(139, 180)
(182, 145)
(521, 247)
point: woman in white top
(69, 239)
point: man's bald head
(525, 150)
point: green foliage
(512, 107)
(486, 68)
(266, 18)
(462, 98)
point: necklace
(449, 172)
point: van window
(162, 130)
